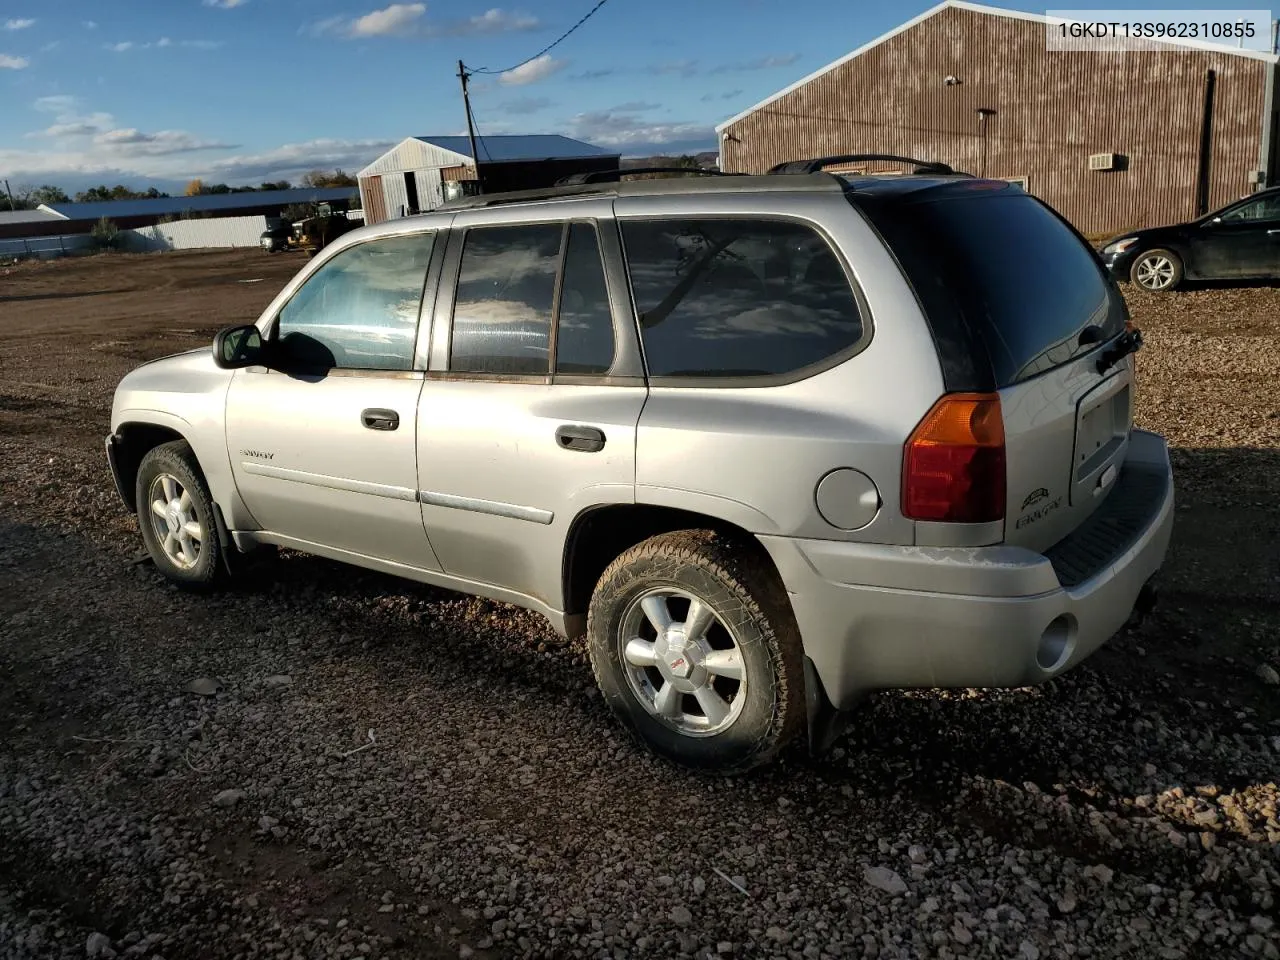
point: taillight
(953, 466)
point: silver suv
(770, 442)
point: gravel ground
(322, 762)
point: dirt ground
(1126, 809)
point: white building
(414, 176)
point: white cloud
(131, 142)
(13, 63)
(497, 20)
(536, 69)
(89, 24)
(58, 103)
(127, 45)
(397, 20)
(51, 45)
(160, 159)
(19, 24)
(627, 132)
(72, 128)
(225, 4)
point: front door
(323, 445)
(1243, 241)
(528, 415)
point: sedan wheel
(1157, 270)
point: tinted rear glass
(1021, 281)
(738, 297)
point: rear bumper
(881, 617)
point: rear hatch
(1019, 305)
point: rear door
(1039, 310)
(528, 413)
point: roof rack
(816, 164)
(599, 176)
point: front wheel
(695, 649)
(175, 514)
(1157, 270)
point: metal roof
(27, 216)
(1046, 19)
(538, 146)
(159, 206)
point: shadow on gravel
(74, 295)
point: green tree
(323, 178)
(276, 185)
(48, 194)
(105, 234)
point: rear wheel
(175, 515)
(1157, 270)
(695, 649)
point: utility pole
(471, 129)
(12, 205)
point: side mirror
(236, 347)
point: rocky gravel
(323, 762)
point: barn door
(375, 201)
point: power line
(549, 47)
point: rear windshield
(1007, 269)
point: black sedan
(1240, 241)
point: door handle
(376, 419)
(585, 439)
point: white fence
(45, 246)
(196, 234)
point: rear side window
(1019, 279)
(584, 329)
(506, 288)
(737, 297)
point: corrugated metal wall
(1052, 110)
(430, 189)
(197, 234)
(397, 197)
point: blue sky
(158, 91)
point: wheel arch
(600, 534)
(130, 442)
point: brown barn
(1114, 140)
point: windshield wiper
(1128, 342)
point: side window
(584, 328)
(506, 290)
(737, 298)
(1267, 208)
(360, 310)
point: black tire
(177, 461)
(1145, 266)
(743, 590)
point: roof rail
(598, 176)
(816, 164)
